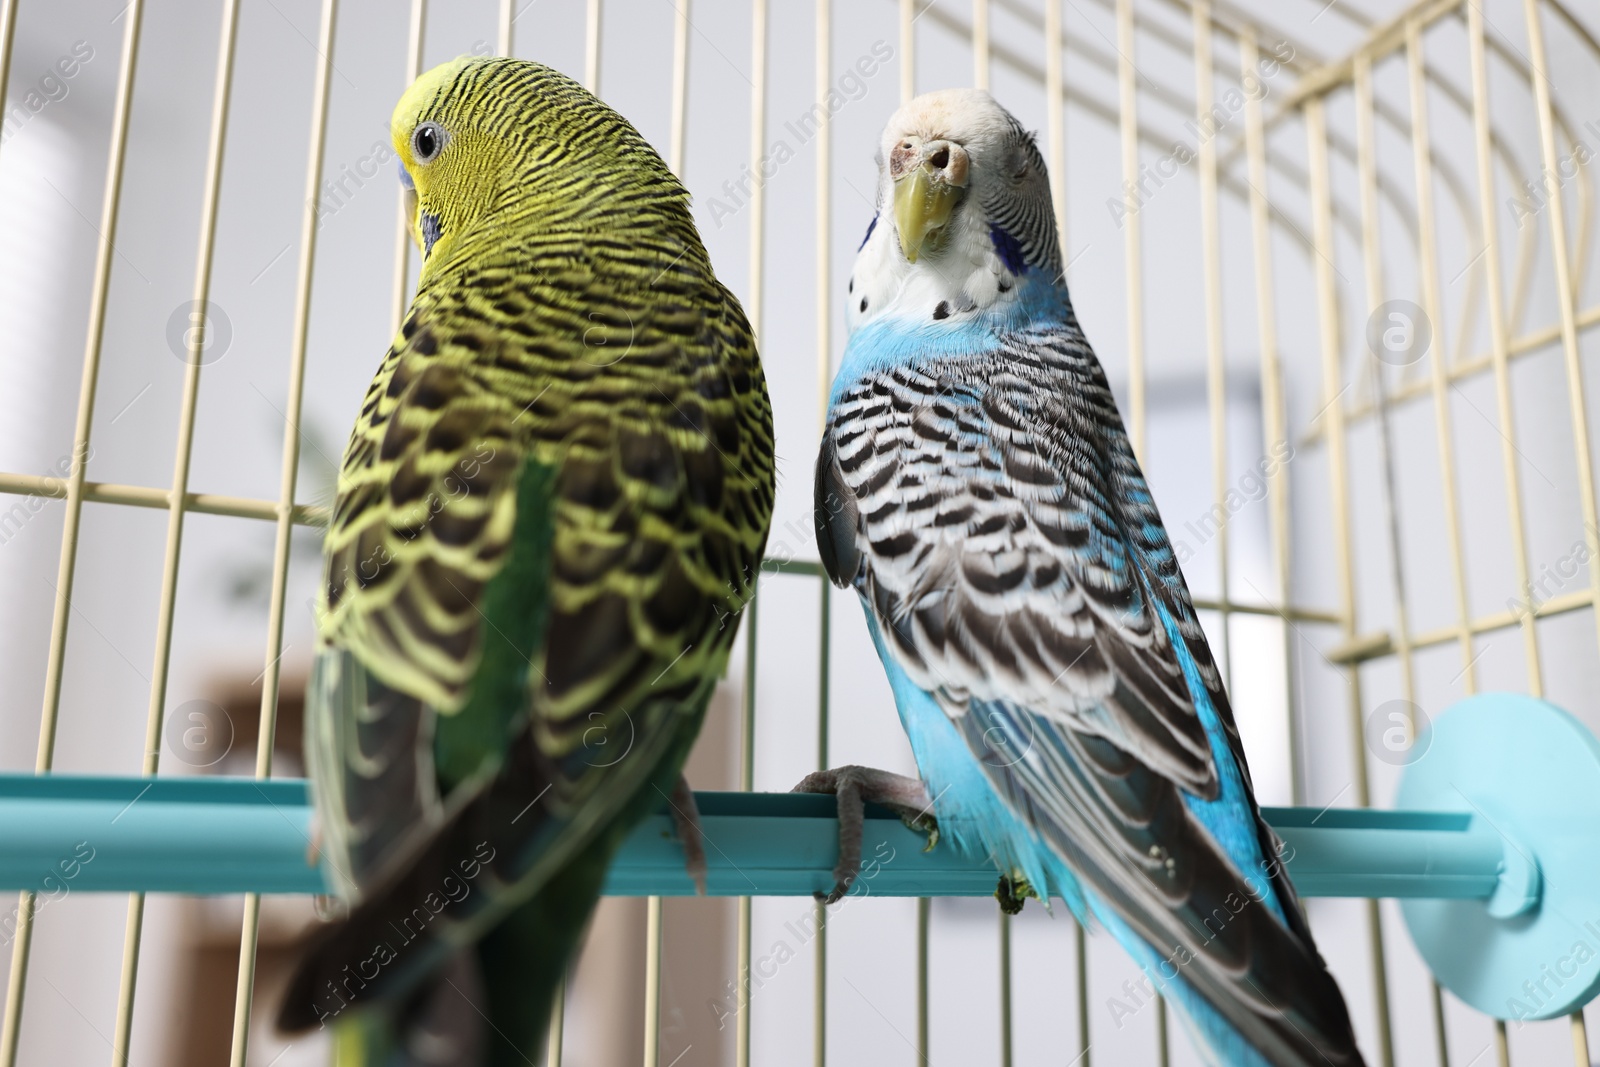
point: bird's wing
(550, 516)
(369, 750)
(971, 507)
(995, 522)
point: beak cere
(929, 179)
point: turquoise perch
(207, 835)
(1494, 857)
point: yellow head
(491, 146)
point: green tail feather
(525, 958)
(440, 1026)
(499, 1014)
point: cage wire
(1346, 250)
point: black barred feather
(995, 558)
(991, 513)
(550, 514)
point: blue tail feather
(1218, 1042)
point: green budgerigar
(550, 514)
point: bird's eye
(426, 141)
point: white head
(964, 212)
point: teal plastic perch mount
(1493, 857)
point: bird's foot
(686, 820)
(1012, 893)
(330, 907)
(854, 786)
(314, 844)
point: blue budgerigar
(977, 489)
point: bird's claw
(686, 819)
(923, 823)
(841, 887)
(853, 787)
(1012, 893)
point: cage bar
(416, 27)
(1372, 259)
(288, 473)
(67, 569)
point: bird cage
(1334, 256)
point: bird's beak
(925, 194)
(408, 195)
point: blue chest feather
(971, 815)
(891, 340)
